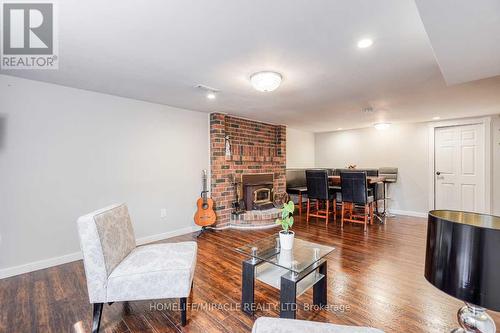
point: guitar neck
(204, 193)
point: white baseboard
(40, 264)
(46, 263)
(165, 235)
(407, 213)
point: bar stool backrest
(354, 187)
(390, 174)
(317, 184)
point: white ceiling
(465, 36)
(160, 49)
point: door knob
(438, 173)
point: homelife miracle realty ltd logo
(29, 35)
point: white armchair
(117, 270)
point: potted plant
(286, 222)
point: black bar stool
(318, 190)
(354, 196)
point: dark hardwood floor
(374, 279)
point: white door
(459, 168)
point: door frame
(486, 122)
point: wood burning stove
(258, 191)
(261, 195)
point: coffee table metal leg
(247, 286)
(321, 287)
(288, 298)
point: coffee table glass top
(303, 255)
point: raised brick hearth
(255, 148)
(256, 219)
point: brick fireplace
(249, 157)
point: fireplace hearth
(258, 191)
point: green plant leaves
(286, 220)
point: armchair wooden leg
(308, 209)
(96, 320)
(183, 311)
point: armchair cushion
(116, 235)
(278, 325)
(153, 272)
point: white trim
(165, 235)
(486, 122)
(407, 213)
(46, 263)
(41, 264)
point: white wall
(403, 146)
(299, 149)
(65, 152)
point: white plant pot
(286, 240)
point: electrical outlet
(163, 213)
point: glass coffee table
(293, 272)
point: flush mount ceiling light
(266, 81)
(382, 126)
(365, 43)
(436, 118)
(211, 95)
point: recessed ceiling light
(339, 129)
(210, 92)
(436, 118)
(382, 126)
(364, 43)
(266, 81)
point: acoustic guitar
(205, 215)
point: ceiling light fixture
(436, 118)
(339, 129)
(211, 93)
(266, 81)
(382, 126)
(365, 43)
